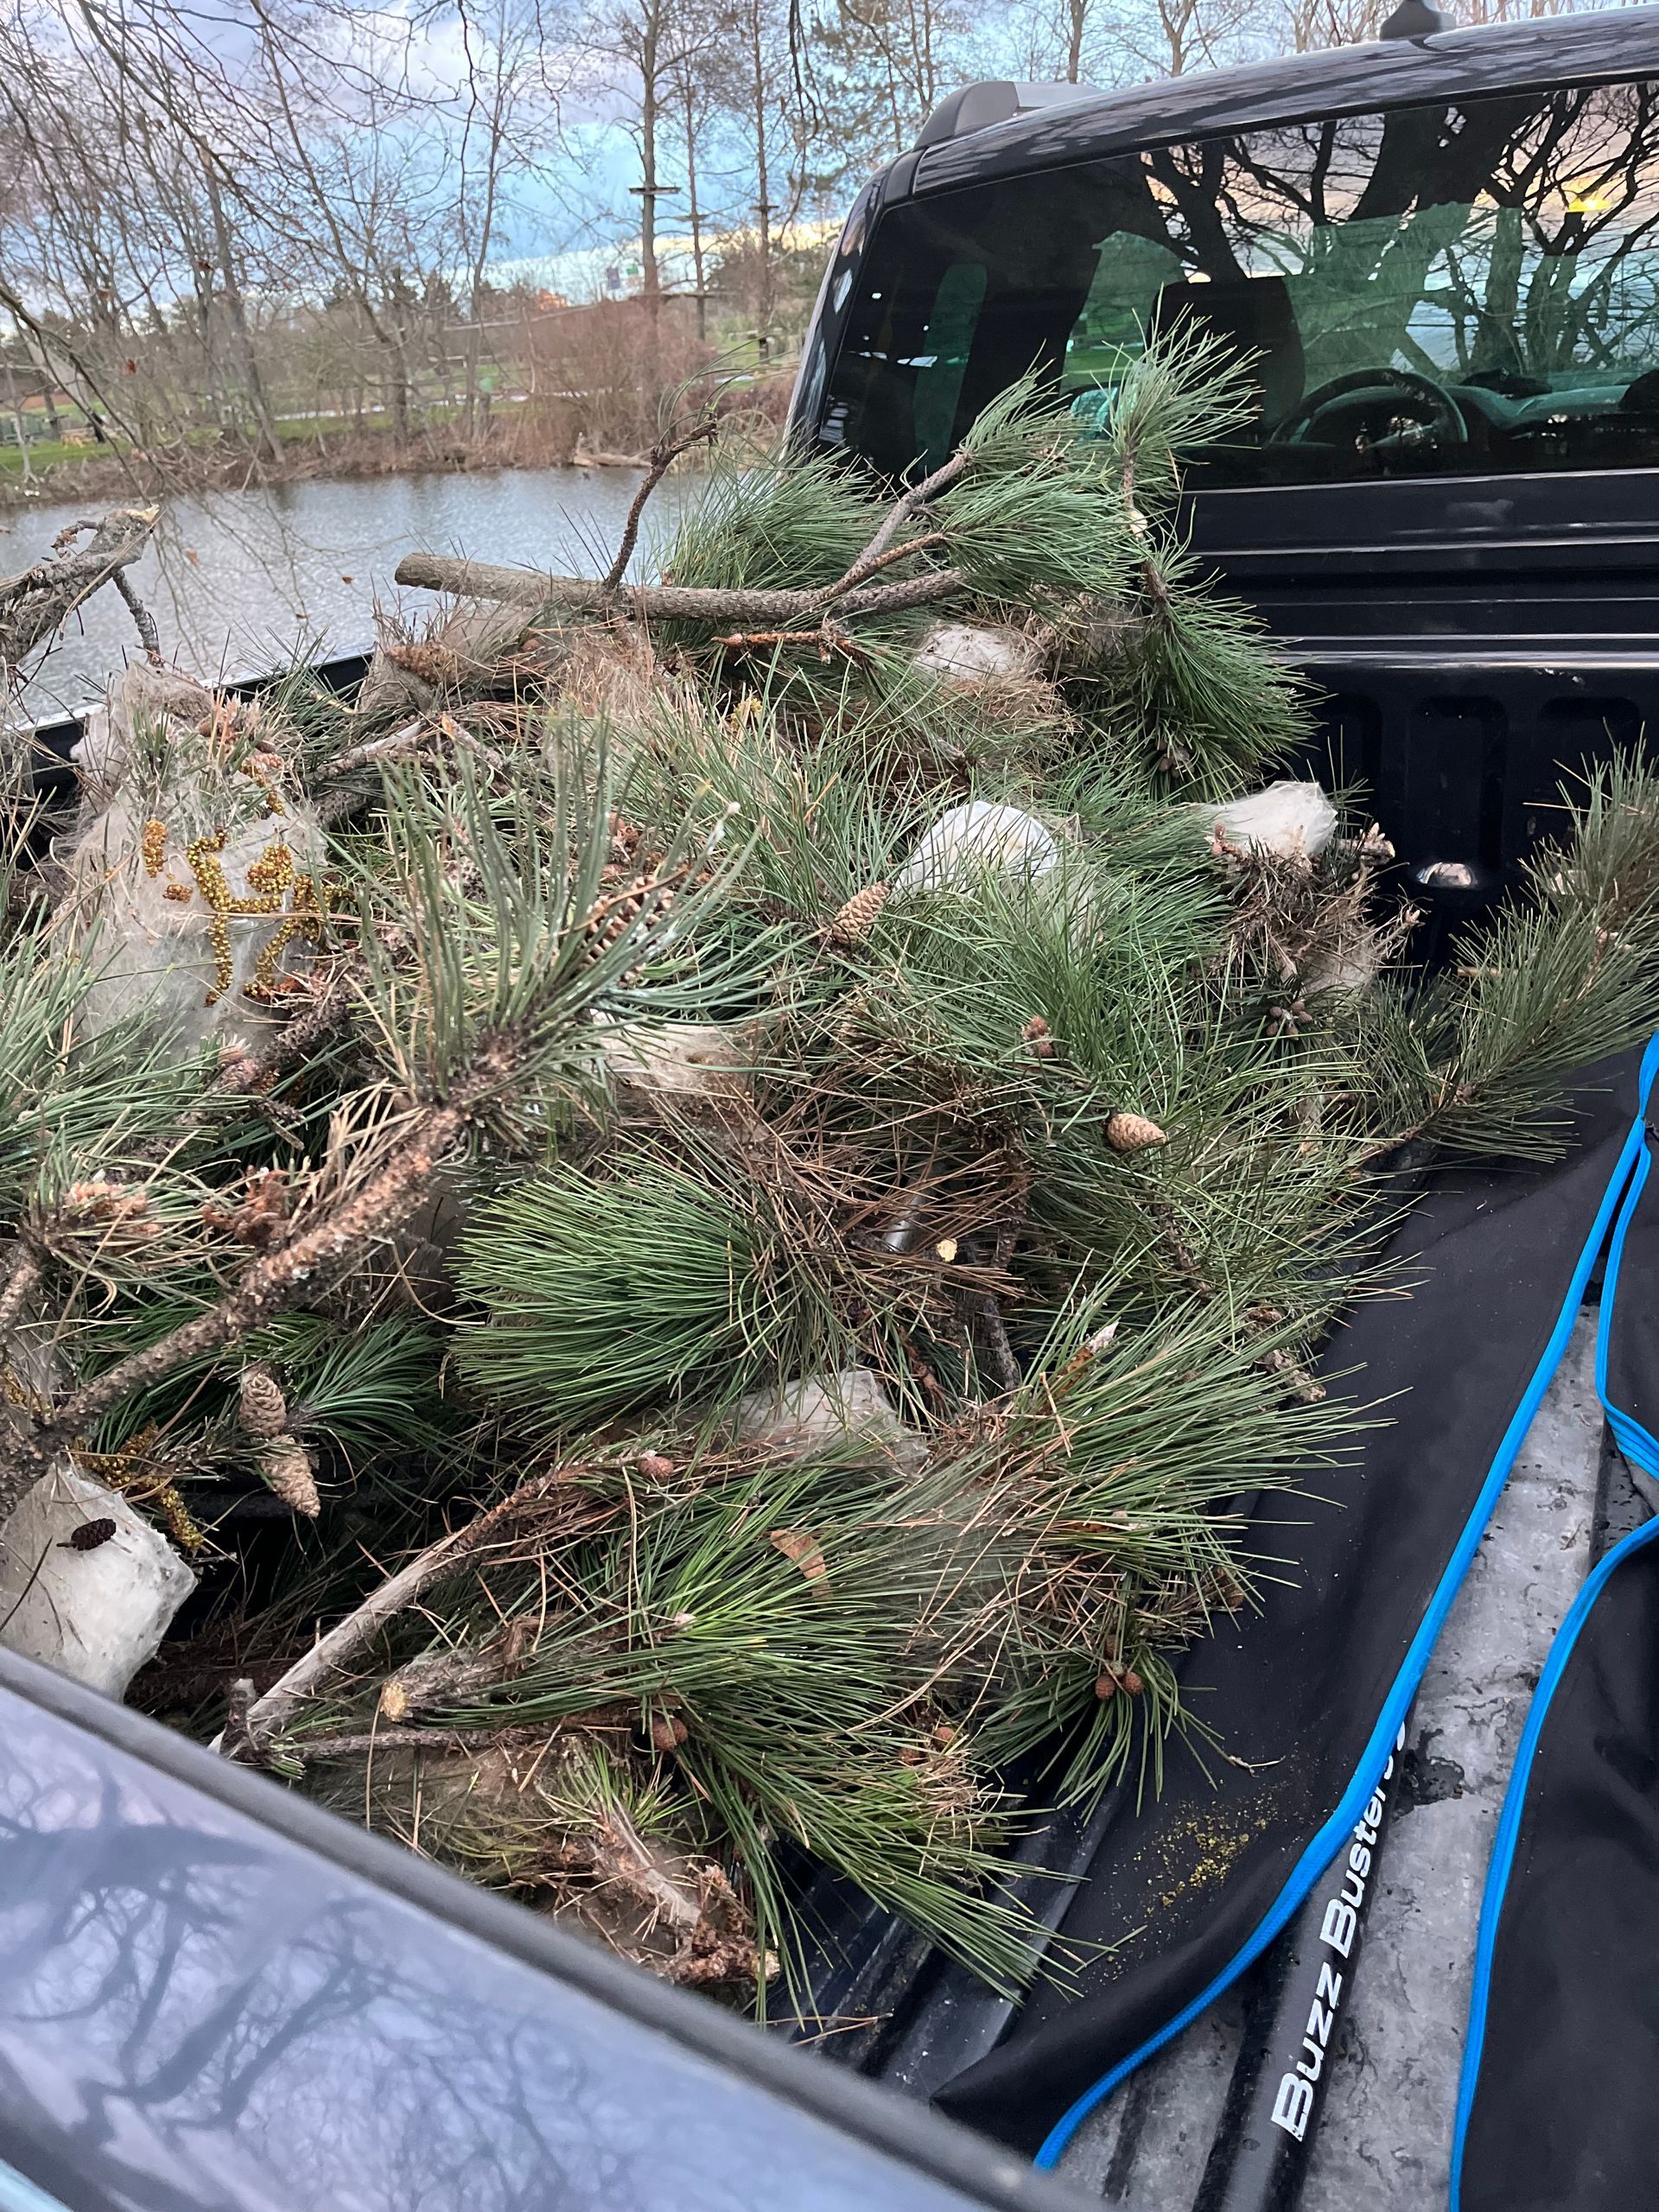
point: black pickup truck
(1442, 256)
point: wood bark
(530, 587)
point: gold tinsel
(1133, 1133)
(261, 1408)
(855, 921)
(286, 1467)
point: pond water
(243, 582)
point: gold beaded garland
(270, 878)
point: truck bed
(1385, 2137)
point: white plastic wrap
(977, 836)
(818, 1410)
(686, 1059)
(1296, 821)
(194, 871)
(974, 653)
(95, 1615)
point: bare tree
(509, 119)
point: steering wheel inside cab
(1384, 416)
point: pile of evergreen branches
(661, 1250)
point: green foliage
(94, 1102)
(490, 933)
(613, 1291)
(1194, 682)
(1184, 391)
(788, 524)
(784, 1680)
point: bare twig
(237, 1737)
(912, 502)
(378, 749)
(142, 620)
(994, 1336)
(664, 455)
(508, 1737)
(825, 641)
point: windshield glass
(1436, 291)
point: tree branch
(142, 620)
(294, 1042)
(506, 1736)
(36, 602)
(913, 501)
(663, 453)
(298, 1270)
(572, 1511)
(781, 610)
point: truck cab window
(1437, 290)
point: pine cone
(1133, 1133)
(287, 1469)
(855, 921)
(261, 1408)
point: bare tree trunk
(49, 390)
(236, 313)
(398, 382)
(649, 113)
(764, 289)
(695, 205)
(16, 414)
(1077, 12)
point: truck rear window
(1445, 290)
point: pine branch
(20, 1283)
(569, 1510)
(297, 1272)
(292, 1044)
